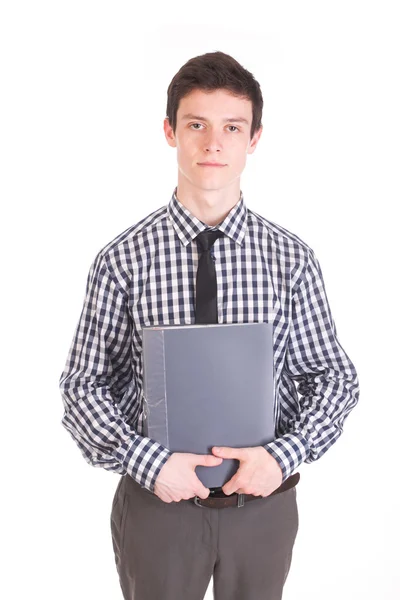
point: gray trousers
(170, 551)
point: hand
(177, 479)
(258, 473)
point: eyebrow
(232, 120)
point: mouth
(210, 164)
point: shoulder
(118, 256)
(282, 237)
(133, 234)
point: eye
(197, 128)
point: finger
(201, 491)
(230, 487)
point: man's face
(212, 127)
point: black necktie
(206, 281)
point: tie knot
(206, 238)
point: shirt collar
(187, 226)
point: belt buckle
(196, 501)
(240, 501)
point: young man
(170, 533)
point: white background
(83, 157)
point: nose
(212, 142)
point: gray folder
(209, 385)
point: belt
(217, 498)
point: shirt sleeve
(328, 387)
(98, 377)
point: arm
(97, 374)
(328, 385)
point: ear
(254, 141)
(169, 134)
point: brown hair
(213, 71)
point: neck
(209, 206)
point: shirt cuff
(289, 451)
(143, 459)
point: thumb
(226, 452)
(208, 460)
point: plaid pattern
(146, 276)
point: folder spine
(155, 388)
